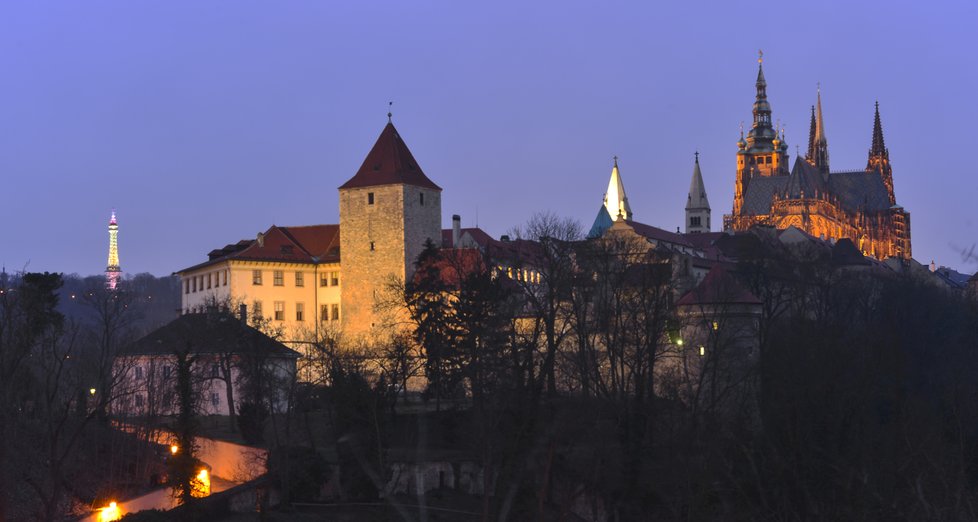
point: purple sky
(203, 123)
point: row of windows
(327, 312)
(278, 278)
(211, 280)
(530, 276)
(371, 199)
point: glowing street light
(201, 484)
(91, 391)
(174, 449)
(107, 514)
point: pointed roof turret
(879, 157)
(615, 199)
(389, 162)
(818, 145)
(811, 138)
(697, 190)
(878, 149)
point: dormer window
(370, 198)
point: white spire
(697, 190)
(615, 199)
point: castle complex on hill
(332, 275)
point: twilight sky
(203, 123)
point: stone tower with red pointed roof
(388, 210)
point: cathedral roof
(859, 190)
(855, 190)
(389, 162)
(760, 192)
(804, 179)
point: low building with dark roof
(224, 351)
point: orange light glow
(112, 512)
(201, 484)
(174, 449)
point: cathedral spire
(818, 145)
(811, 139)
(697, 205)
(615, 199)
(879, 148)
(879, 156)
(762, 133)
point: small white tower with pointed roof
(697, 205)
(615, 199)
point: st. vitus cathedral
(859, 205)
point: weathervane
(760, 56)
(390, 107)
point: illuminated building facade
(859, 205)
(112, 272)
(294, 278)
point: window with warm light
(702, 351)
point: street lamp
(174, 449)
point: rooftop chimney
(456, 229)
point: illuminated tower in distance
(113, 272)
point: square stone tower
(388, 210)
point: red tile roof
(657, 234)
(718, 287)
(308, 244)
(480, 237)
(389, 162)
